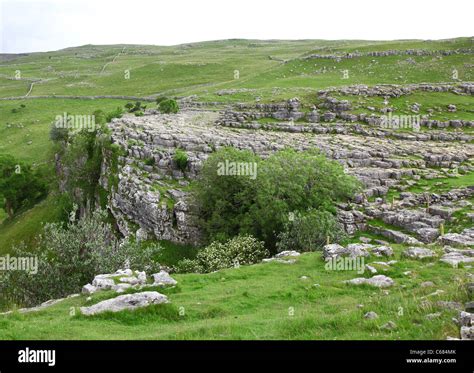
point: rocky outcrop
(125, 302)
(125, 279)
(455, 256)
(463, 239)
(391, 52)
(351, 250)
(355, 250)
(379, 281)
(150, 199)
(418, 253)
(393, 90)
(163, 279)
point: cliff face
(148, 192)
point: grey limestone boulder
(125, 302)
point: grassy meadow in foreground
(266, 301)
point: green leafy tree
(59, 134)
(297, 181)
(224, 201)
(287, 181)
(20, 185)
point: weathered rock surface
(103, 283)
(467, 332)
(125, 302)
(119, 281)
(418, 253)
(371, 315)
(379, 281)
(88, 289)
(163, 279)
(287, 254)
(456, 256)
(351, 250)
(382, 251)
(463, 239)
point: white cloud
(28, 26)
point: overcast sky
(44, 25)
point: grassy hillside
(33, 123)
(204, 68)
(267, 301)
(25, 135)
(264, 301)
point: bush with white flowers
(240, 250)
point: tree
(59, 134)
(224, 201)
(291, 181)
(287, 181)
(20, 186)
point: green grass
(206, 68)
(26, 226)
(460, 220)
(33, 123)
(265, 301)
(437, 185)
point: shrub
(150, 161)
(82, 157)
(58, 134)
(17, 110)
(135, 107)
(309, 231)
(100, 117)
(181, 159)
(117, 113)
(70, 256)
(188, 266)
(240, 250)
(168, 106)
